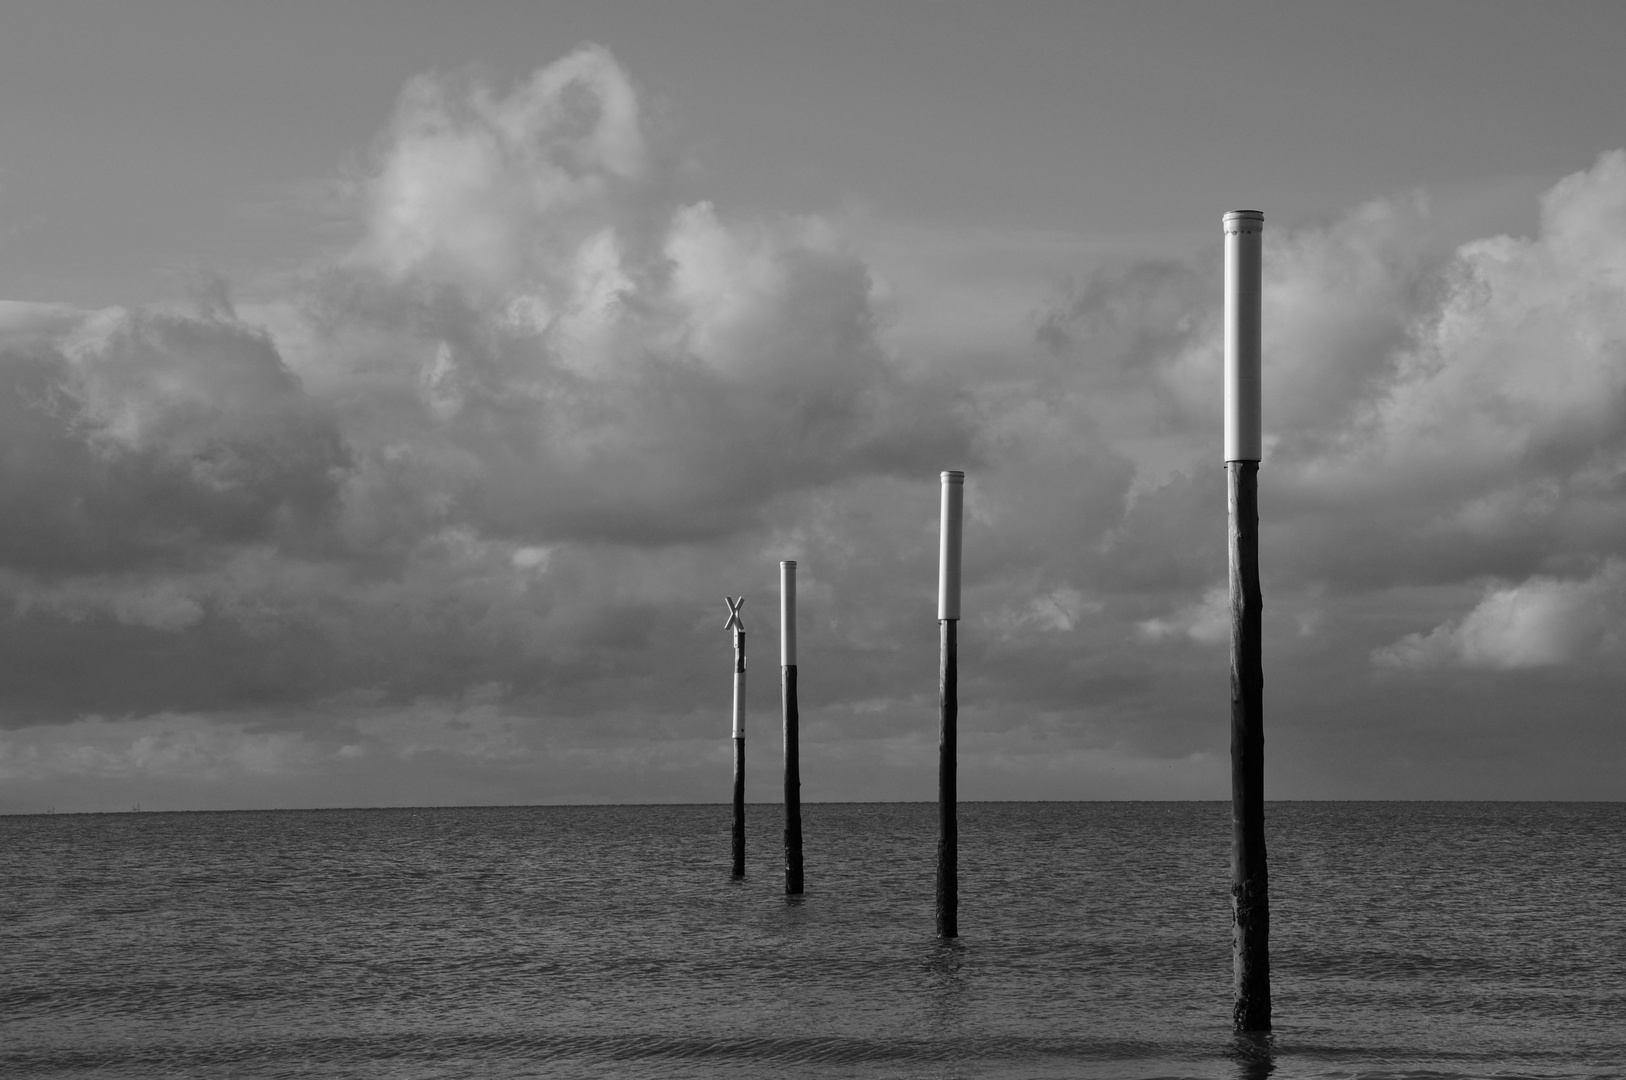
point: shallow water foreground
(1457, 939)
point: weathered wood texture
(948, 829)
(793, 786)
(1250, 898)
(739, 807)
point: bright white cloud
(1512, 366)
(538, 340)
(496, 189)
(1542, 622)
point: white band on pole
(948, 551)
(739, 700)
(1243, 243)
(787, 613)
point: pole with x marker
(738, 627)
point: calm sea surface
(1408, 940)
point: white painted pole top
(787, 613)
(948, 551)
(1244, 231)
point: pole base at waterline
(1250, 957)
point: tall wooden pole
(793, 758)
(738, 627)
(1250, 895)
(948, 705)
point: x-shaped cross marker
(734, 606)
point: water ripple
(1451, 940)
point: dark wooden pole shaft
(948, 829)
(793, 786)
(739, 807)
(1250, 896)
(739, 769)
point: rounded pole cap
(1244, 222)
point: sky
(390, 393)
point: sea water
(1407, 939)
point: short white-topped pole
(738, 627)
(1250, 894)
(948, 702)
(793, 760)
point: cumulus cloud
(491, 189)
(1492, 436)
(537, 338)
(1542, 622)
(535, 348)
(145, 438)
(470, 493)
(1433, 413)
